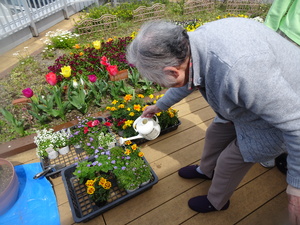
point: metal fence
(19, 14)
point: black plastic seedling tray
(83, 208)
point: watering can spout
(123, 140)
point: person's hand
(293, 205)
(150, 111)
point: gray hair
(158, 44)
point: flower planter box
(121, 75)
(83, 208)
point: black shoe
(190, 172)
(202, 204)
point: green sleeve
(278, 9)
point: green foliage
(18, 125)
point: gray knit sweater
(251, 77)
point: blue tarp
(36, 203)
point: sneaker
(190, 172)
(202, 204)
(268, 164)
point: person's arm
(172, 96)
(278, 9)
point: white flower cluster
(106, 139)
(258, 19)
(50, 139)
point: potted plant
(45, 147)
(60, 141)
(98, 189)
(86, 133)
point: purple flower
(27, 92)
(123, 168)
(96, 156)
(78, 171)
(94, 163)
(113, 162)
(92, 78)
(127, 157)
(76, 158)
(99, 164)
(86, 157)
(100, 147)
(88, 165)
(88, 144)
(115, 167)
(96, 151)
(91, 139)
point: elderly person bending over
(250, 76)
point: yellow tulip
(97, 44)
(66, 71)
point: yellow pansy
(151, 96)
(66, 71)
(128, 142)
(90, 190)
(158, 114)
(89, 183)
(113, 109)
(134, 147)
(121, 106)
(129, 122)
(97, 45)
(114, 102)
(127, 97)
(127, 151)
(141, 154)
(131, 114)
(141, 96)
(137, 107)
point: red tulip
(104, 61)
(112, 70)
(51, 78)
(92, 78)
(27, 92)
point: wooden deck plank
(273, 212)
(176, 211)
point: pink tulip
(92, 78)
(112, 70)
(27, 92)
(104, 61)
(51, 78)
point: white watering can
(147, 128)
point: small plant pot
(78, 148)
(121, 75)
(145, 183)
(52, 154)
(64, 150)
(131, 190)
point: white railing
(18, 14)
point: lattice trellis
(144, 13)
(198, 6)
(105, 23)
(242, 6)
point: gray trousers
(221, 157)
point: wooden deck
(259, 199)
